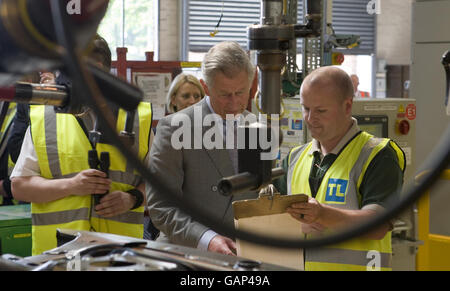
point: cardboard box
(266, 216)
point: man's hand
(115, 203)
(306, 212)
(268, 190)
(313, 228)
(223, 245)
(89, 182)
(47, 78)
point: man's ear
(205, 87)
(348, 106)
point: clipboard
(267, 216)
(266, 205)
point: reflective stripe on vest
(62, 151)
(60, 217)
(340, 188)
(347, 257)
(118, 173)
(128, 217)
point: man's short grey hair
(228, 58)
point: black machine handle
(244, 182)
(93, 159)
(102, 165)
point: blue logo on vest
(336, 190)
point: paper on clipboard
(266, 205)
(266, 216)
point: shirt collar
(354, 129)
(217, 117)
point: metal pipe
(35, 94)
(271, 12)
(243, 182)
(270, 86)
(7, 265)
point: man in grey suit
(181, 160)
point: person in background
(358, 94)
(184, 91)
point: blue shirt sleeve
(205, 239)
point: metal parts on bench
(93, 251)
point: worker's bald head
(332, 78)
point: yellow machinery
(435, 253)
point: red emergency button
(337, 59)
(403, 127)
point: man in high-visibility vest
(53, 172)
(347, 173)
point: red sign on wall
(411, 111)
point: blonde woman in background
(184, 91)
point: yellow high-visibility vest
(62, 149)
(340, 188)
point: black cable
(437, 162)
(446, 64)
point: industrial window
(201, 18)
(352, 17)
(130, 24)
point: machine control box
(393, 118)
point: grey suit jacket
(193, 175)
